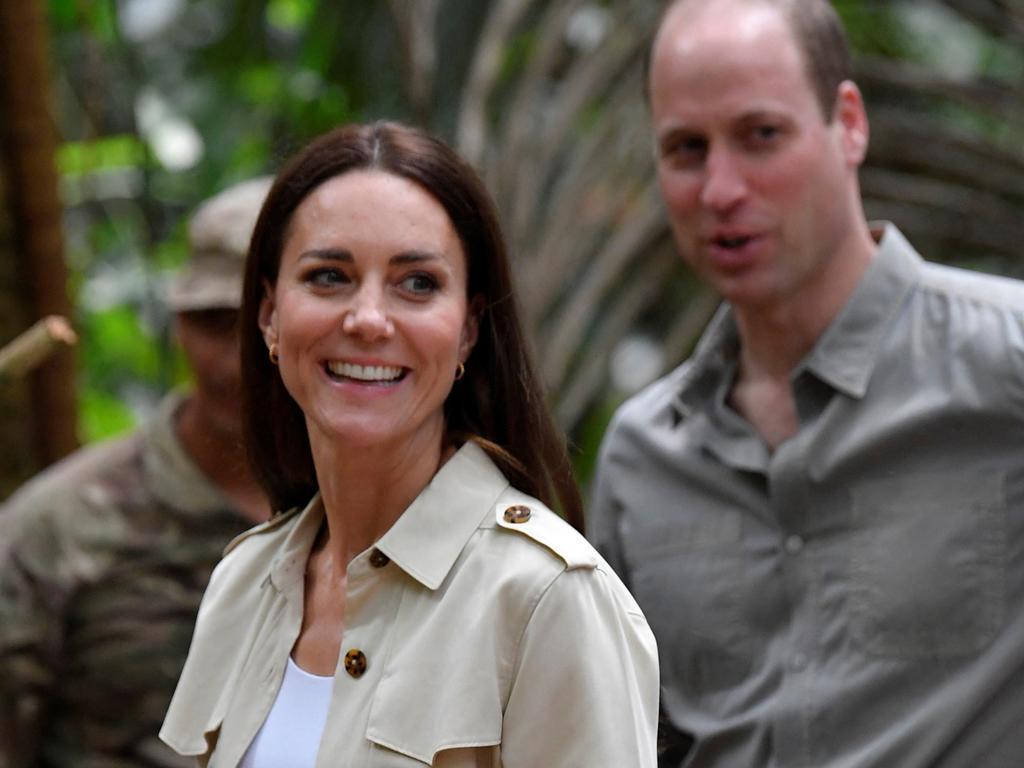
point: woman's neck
(365, 489)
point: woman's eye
(420, 284)
(326, 277)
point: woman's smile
(340, 370)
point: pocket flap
(420, 718)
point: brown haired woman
(419, 604)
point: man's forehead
(712, 23)
(705, 56)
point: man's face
(209, 339)
(758, 184)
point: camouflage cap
(219, 234)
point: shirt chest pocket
(692, 580)
(927, 573)
(429, 709)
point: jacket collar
(430, 535)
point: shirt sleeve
(603, 520)
(32, 603)
(585, 688)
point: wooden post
(28, 143)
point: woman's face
(369, 311)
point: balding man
(822, 511)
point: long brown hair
(499, 402)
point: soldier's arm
(32, 601)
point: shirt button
(517, 513)
(794, 544)
(798, 662)
(378, 559)
(355, 662)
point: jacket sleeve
(585, 686)
(32, 605)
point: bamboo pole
(32, 347)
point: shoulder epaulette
(528, 517)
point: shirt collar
(844, 356)
(170, 473)
(712, 366)
(430, 535)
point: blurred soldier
(104, 557)
(821, 513)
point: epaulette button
(517, 513)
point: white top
(290, 736)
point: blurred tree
(34, 278)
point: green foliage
(290, 15)
(252, 79)
(102, 415)
(80, 158)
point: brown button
(517, 513)
(378, 559)
(355, 662)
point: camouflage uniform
(103, 561)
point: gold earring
(272, 353)
(460, 371)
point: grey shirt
(856, 597)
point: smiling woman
(370, 316)
(416, 602)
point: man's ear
(851, 119)
(268, 315)
(471, 327)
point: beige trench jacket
(479, 641)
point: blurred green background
(160, 103)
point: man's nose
(724, 183)
(367, 317)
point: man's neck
(775, 338)
(220, 456)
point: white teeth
(365, 372)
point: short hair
(820, 34)
(498, 403)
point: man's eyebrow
(676, 132)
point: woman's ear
(471, 327)
(268, 314)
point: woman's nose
(368, 317)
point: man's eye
(764, 133)
(420, 284)
(688, 149)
